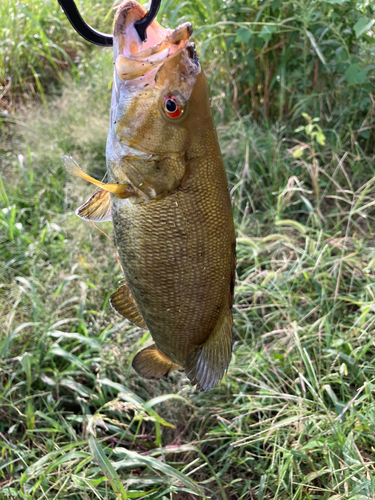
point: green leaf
(127, 394)
(262, 484)
(298, 152)
(57, 351)
(313, 444)
(37, 467)
(72, 455)
(266, 32)
(160, 399)
(309, 128)
(107, 468)
(321, 138)
(330, 393)
(74, 386)
(165, 469)
(77, 336)
(362, 26)
(8, 340)
(243, 35)
(315, 45)
(288, 222)
(65, 282)
(136, 494)
(355, 74)
(365, 134)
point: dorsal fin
(207, 364)
(97, 208)
(123, 302)
(152, 363)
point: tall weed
(38, 44)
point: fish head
(157, 86)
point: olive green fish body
(177, 253)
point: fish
(168, 198)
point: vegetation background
(292, 87)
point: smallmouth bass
(169, 202)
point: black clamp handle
(96, 37)
(142, 25)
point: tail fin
(207, 364)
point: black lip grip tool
(96, 37)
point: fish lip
(160, 44)
(125, 37)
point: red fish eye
(171, 108)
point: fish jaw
(160, 41)
(126, 40)
(144, 74)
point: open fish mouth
(135, 59)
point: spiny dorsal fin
(123, 302)
(207, 364)
(152, 363)
(97, 208)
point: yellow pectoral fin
(97, 208)
(120, 190)
(152, 363)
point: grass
(294, 417)
(38, 45)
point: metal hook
(88, 33)
(145, 22)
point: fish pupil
(170, 106)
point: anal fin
(151, 363)
(207, 363)
(97, 208)
(123, 302)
